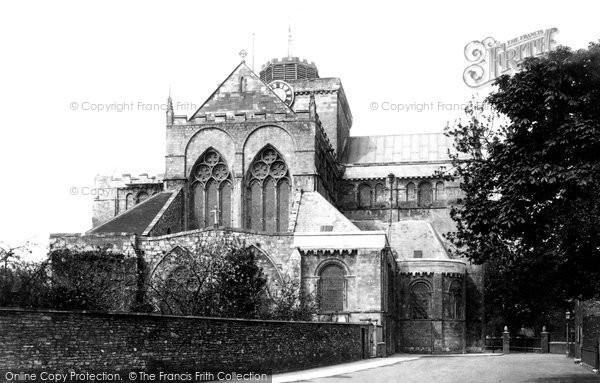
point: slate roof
(407, 236)
(136, 219)
(315, 214)
(397, 148)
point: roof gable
(136, 219)
(242, 92)
(316, 214)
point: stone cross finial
(243, 55)
(216, 211)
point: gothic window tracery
(181, 278)
(268, 192)
(211, 184)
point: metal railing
(525, 344)
(590, 356)
(493, 344)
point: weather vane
(243, 54)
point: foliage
(92, 280)
(287, 300)
(22, 284)
(219, 279)
(532, 186)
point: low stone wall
(431, 336)
(557, 347)
(276, 256)
(58, 340)
(112, 242)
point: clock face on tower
(283, 90)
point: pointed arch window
(268, 191)
(211, 190)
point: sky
(83, 84)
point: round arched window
(420, 301)
(332, 286)
(452, 307)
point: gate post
(545, 342)
(597, 362)
(506, 341)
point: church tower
(330, 98)
(256, 142)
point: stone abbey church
(270, 159)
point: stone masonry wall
(440, 332)
(362, 269)
(431, 336)
(275, 251)
(35, 341)
(114, 242)
(332, 106)
(238, 143)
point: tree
(219, 278)
(531, 210)
(22, 283)
(92, 280)
(88, 280)
(286, 300)
(240, 284)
